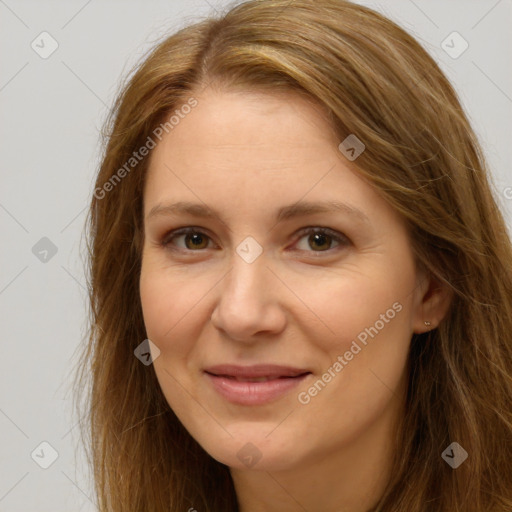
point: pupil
(319, 237)
(196, 239)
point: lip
(232, 382)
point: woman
(300, 280)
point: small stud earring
(427, 323)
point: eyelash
(339, 238)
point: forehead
(241, 133)
(241, 150)
(249, 124)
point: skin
(301, 303)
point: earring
(427, 323)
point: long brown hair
(374, 81)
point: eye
(318, 238)
(192, 237)
(321, 239)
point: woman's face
(252, 291)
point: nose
(249, 303)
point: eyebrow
(300, 209)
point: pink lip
(229, 381)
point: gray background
(52, 111)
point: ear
(432, 301)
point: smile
(255, 385)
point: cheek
(167, 304)
(171, 305)
(156, 300)
(361, 326)
(352, 305)
(363, 364)
(175, 310)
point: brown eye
(196, 241)
(321, 240)
(193, 240)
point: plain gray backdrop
(52, 108)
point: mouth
(254, 385)
(253, 379)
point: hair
(373, 80)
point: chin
(249, 449)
